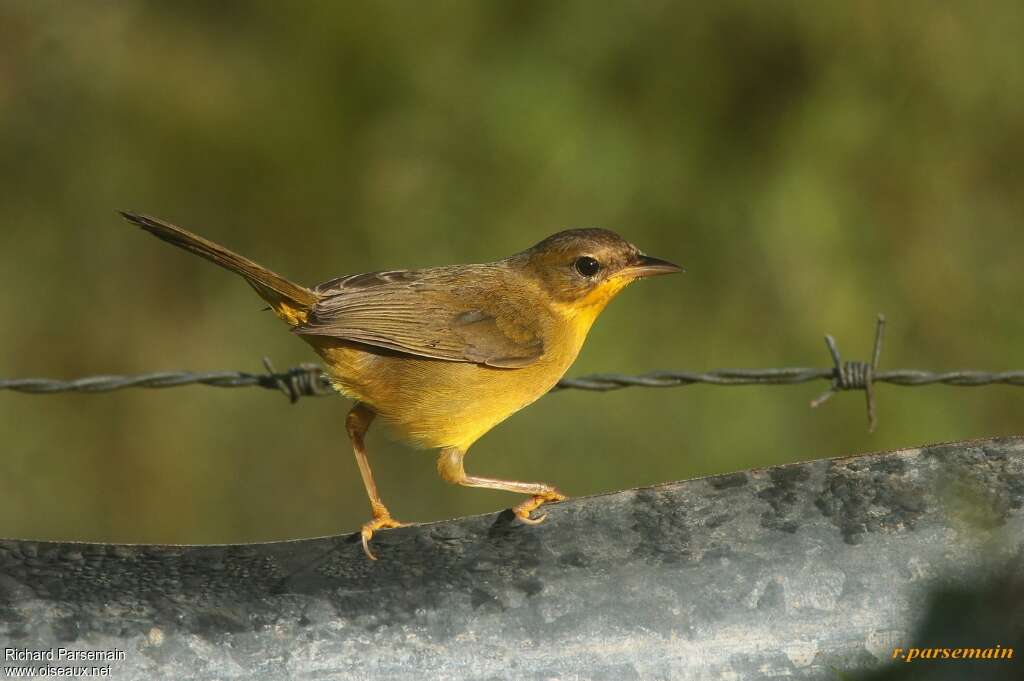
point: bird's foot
(523, 509)
(381, 520)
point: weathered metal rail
(814, 570)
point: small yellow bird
(444, 354)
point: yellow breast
(435, 403)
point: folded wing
(442, 313)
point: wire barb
(855, 375)
(308, 380)
(305, 380)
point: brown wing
(449, 313)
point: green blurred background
(811, 164)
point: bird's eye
(587, 266)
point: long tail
(289, 300)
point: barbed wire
(309, 380)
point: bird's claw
(523, 509)
(525, 518)
(380, 521)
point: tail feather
(289, 300)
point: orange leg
(450, 468)
(357, 423)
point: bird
(443, 354)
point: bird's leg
(450, 468)
(357, 423)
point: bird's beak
(646, 266)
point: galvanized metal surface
(808, 571)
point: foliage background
(810, 164)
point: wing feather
(447, 313)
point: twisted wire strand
(309, 380)
(305, 381)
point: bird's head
(582, 269)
